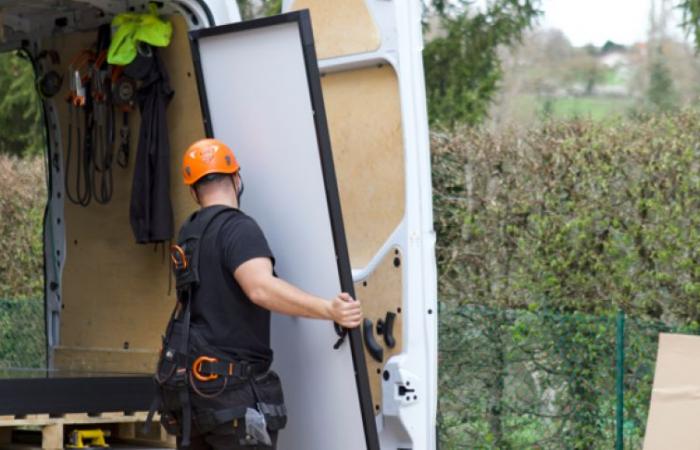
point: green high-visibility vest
(135, 27)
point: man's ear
(236, 182)
(193, 193)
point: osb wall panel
(106, 360)
(341, 27)
(364, 116)
(380, 293)
(115, 292)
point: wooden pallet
(123, 426)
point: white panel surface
(259, 103)
(401, 424)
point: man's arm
(267, 291)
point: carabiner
(197, 368)
(178, 257)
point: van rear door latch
(400, 388)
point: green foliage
(514, 379)
(251, 9)
(23, 188)
(22, 334)
(576, 216)
(595, 108)
(691, 18)
(462, 66)
(550, 232)
(661, 93)
(20, 108)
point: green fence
(509, 379)
(22, 334)
(532, 379)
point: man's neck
(232, 203)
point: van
(324, 105)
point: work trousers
(228, 436)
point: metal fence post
(619, 381)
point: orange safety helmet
(205, 157)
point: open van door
(107, 299)
(260, 91)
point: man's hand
(346, 311)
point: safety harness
(188, 364)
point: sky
(596, 21)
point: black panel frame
(303, 19)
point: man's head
(210, 169)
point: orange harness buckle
(197, 368)
(178, 258)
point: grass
(527, 109)
(596, 108)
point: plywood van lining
(101, 310)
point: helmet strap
(196, 194)
(239, 192)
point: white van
(325, 107)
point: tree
(462, 65)
(20, 108)
(661, 93)
(691, 18)
(610, 47)
(251, 9)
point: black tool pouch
(271, 400)
(263, 394)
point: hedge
(572, 216)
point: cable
(102, 178)
(82, 194)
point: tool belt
(197, 382)
(209, 389)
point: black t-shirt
(221, 311)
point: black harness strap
(187, 278)
(235, 369)
(155, 406)
(184, 392)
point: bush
(572, 216)
(22, 334)
(22, 203)
(550, 232)
(521, 379)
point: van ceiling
(24, 21)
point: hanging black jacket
(151, 213)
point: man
(216, 388)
